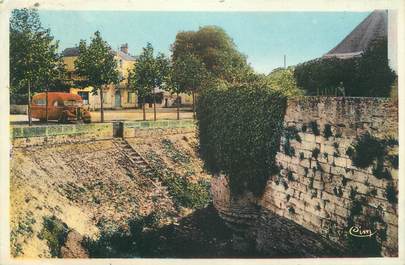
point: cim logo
(359, 232)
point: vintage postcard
(192, 131)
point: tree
(97, 66)
(374, 76)
(148, 75)
(190, 74)
(366, 76)
(35, 64)
(173, 82)
(283, 80)
(215, 49)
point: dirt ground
(122, 115)
(93, 188)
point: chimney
(124, 48)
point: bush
(368, 75)
(239, 130)
(366, 150)
(54, 231)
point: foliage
(184, 192)
(96, 63)
(327, 131)
(283, 80)
(34, 60)
(315, 153)
(175, 154)
(54, 232)
(150, 72)
(239, 130)
(314, 128)
(117, 242)
(368, 75)
(391, 193)
(366, 150)
(302, 156)
(189, 73)
(215, 49)
(288, 149)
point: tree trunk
(178, 106)
(143, 109)
(193, 104)
(154, 106)
(101, 105)
(29, 104)
(46, 105)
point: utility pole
(285, 61)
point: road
(120, 115)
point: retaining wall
(328, 194)
(24, 136)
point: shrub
(314, 128)
(391, 193)
(366, 150)
(315, 153)
(239, 130)
(54, 231)
(302, 156)
(368, 75)
(288, 149)
(327, 131)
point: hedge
(239, 128)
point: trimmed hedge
(239, 129)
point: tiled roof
(75, 52)
(125, 56)
(372, 27)
(70, 52)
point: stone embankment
(319, 186)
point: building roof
(75, 52)
(70, 52)
(374, 26)
(125, 56)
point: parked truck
(63, 107)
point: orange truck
(63, 107)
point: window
(39, 102)
(131, 97)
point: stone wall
(24, 136)
(161, 127)
(318, 186)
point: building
(379, 24)
(115, 96)
(118, 96)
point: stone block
(340, 161)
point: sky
(264, 37)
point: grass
(175, 155)
(54, 231)
(184, 192)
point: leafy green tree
(174, 81)
(190, 73)
(368, 75)
(283, 80)
(97, 66)
(35, 64)
(149, 74)
(374, 77)
(215, 49)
